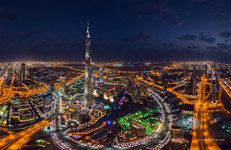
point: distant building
(215, 88)
(137, 92)
(22, 73)
(208, 69)
(191, 88)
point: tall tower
(88, 97)
(101, 75)
(62, 81)
(23, 71)
(215, 88)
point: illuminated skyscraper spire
(88, 42)
(88, 98)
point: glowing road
(171, 90)
(202, 138)
(18, 139)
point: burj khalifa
(88, 89)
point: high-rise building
(22, 73)
(101, 75)
(88, 89)
(62, 81)
(215, 88)
(191, 87)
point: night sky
(125, 30)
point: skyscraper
(62, 81)
(22, 73)
(88, 89)
(215, 88)
(101, 75)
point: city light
(138, 75)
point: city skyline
(160, 30)
(131, 105)
(115, 74)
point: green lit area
(147, 118)
(75, 89)
(78, 85)
(3, 109)
(226, 126)
(107, 107)
(42, 141)
(3, 115)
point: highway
(171, 90)
(18, 139)
(202, 138)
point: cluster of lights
(153, 137)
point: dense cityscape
(115, 75)
(142, 105)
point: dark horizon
(111, 61)
(122, 30)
